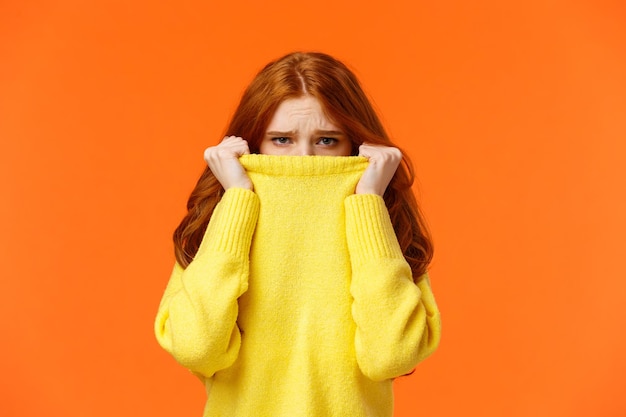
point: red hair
(347, 105)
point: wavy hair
(346, 104)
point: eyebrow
(317, 132)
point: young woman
(300, 286)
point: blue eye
(328, 141)
(281, 140)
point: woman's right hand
(223, 160)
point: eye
(281, 140)
(327, 141)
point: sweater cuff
(232, 224)
(369, 231)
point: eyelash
(333, 141)
(278, 140)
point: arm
(196, 321)
(397, 320)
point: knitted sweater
(299, 301)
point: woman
(301, 285)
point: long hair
(346, 104)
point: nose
(305, 149)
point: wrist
(360, 189)
(246, 186)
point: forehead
(295, 110)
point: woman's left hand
(383, 163)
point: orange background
(514, 115)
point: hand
(223, 160)
(383, 163)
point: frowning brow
(276, 133)
(317, 132)
(329, 132)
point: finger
(365, 150)
(230, 146)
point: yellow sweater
(299, 301)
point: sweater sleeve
(397, 319)
(196, 320)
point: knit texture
(299, 301)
